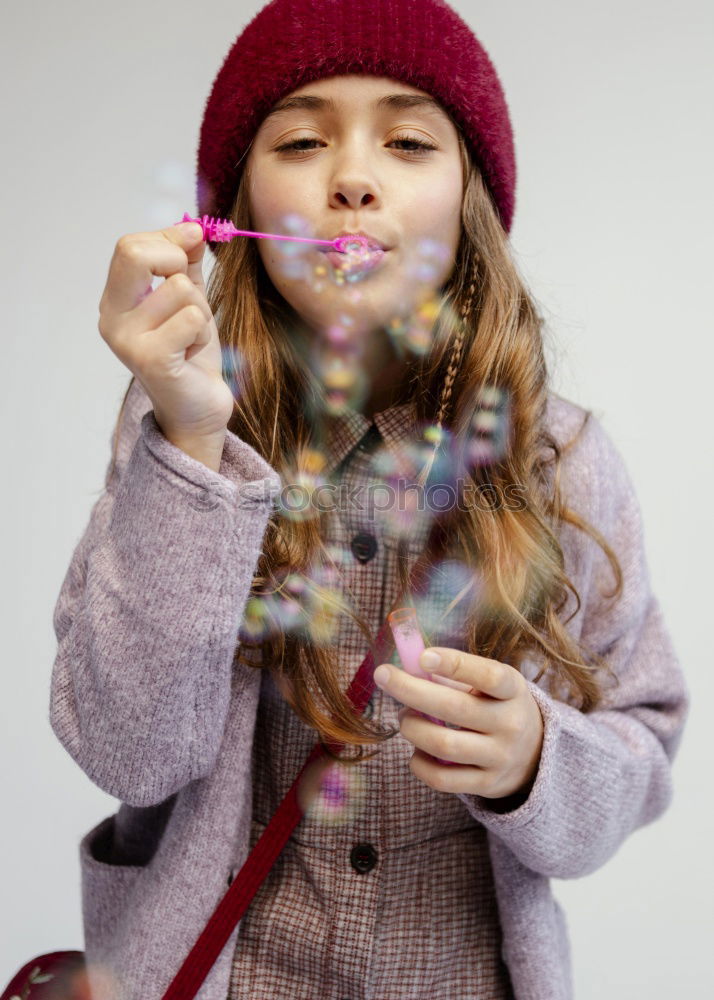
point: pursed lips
(373, 244)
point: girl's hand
(501, 737)
(168, 337)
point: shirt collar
(396, 424)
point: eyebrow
(394, 102)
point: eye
(304, 145)
(422, 147)
(295, 146)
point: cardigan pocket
(106, 888)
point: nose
(353, 195)
(353, 184)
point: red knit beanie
(423, 43)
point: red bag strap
(235, 902)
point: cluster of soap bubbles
(294, 257)
(280, 611)
(339, 367)
(416, 331)
(411, 499)
(489, 430)
(295, 500)
(408, 460)
(343, 379)
(307, 604)
(338, 363)
(355, 263)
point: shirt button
(364, 546)
(204, 501)
(363, 858)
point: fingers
(186, 331)
(176, 313)
(138, 257)
(456, 777)
(177, 292)
(168, 337)
(455, 707)
(168, 322)
(458, 745)
(489, 677)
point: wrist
(205, 449)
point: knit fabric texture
(423, 43)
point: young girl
(293, 437)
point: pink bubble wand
(410, 645)
(223, 231)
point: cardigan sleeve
(604, 773)
(148, 613)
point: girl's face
(357, 153)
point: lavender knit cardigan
(146, 699)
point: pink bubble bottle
(410, 645)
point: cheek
(439, 213)
(432, 214)
(269, 198)
(265, 204)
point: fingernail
(381, 675)
(429, 660)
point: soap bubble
(344, 382)
(172, 181)
(293, 224)
(232, 364)
(397, 497)
(337, 334)
(302, 603)
(295, 267)
(444, 604)
(331, 793)
(426, 261)
(489, 429)
(419, 332)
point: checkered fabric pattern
(421, 922)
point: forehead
(355, 92)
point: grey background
(611, 105)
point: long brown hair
(487, 333)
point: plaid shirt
(396, 901)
